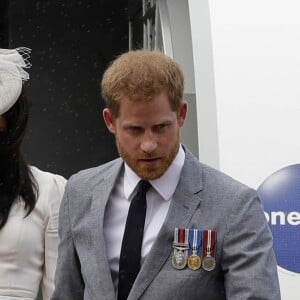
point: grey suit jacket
(204, 199)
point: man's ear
(109, 120)
(182, 113)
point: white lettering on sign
(283, 218)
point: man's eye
(135, 129)
(160, 127)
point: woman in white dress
(29, 197)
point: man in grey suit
(204, 235)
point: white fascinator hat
(12, 74)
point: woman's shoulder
(50, 186)
(50, 190)
(47, 178)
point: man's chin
(149, 174)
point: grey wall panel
(205, 86)
(176, 32)
(189, 130)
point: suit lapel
(185, 201)
(102, 282)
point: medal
(179, 259)
(208, 263)
(194, 260)
(209, 243)
(180, 245)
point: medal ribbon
(181, 237)
(175, 236)
(195, 241)
(209, 243)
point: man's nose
(148, 143)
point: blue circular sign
(280, 195)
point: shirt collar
(165, 185)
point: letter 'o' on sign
(280, 195)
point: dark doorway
(72, 43)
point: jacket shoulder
(95, 174)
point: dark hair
(16, 180)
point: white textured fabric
(28, 246)
(158, 202)
(12, 74)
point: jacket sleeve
(69, 284)
(249, 262)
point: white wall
(256, 79)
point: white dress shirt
(158, 201)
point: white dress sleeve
(54, 195)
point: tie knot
(143, 186)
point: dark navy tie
(130, 257)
